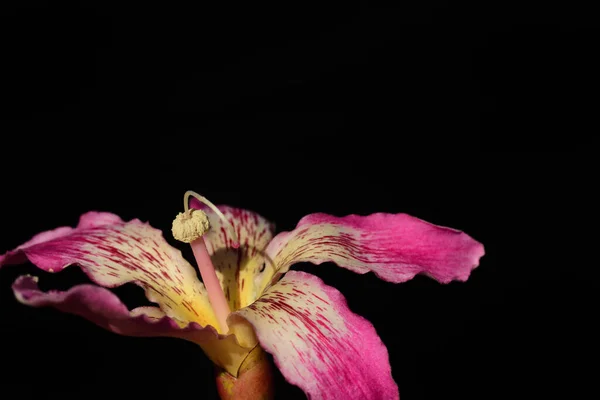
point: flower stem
(254, 380)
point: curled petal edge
(105, 309)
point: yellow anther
(190, 225)
(204, 200)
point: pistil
(189, 227)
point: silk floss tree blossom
(249, 302)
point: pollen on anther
(190, 225)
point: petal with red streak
(395, 247)
(112, 252)
(318, 343)
(104, 308)
(238, 269)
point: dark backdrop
(453, 113)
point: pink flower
(317, 342)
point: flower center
(189, 227)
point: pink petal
(318, 343)
(103, 308)
(395, 247)
(112, 252)
(237, 269)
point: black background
(475, 117)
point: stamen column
(189, 227)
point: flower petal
(112, 252)
(395, 247)
(318, 343)
(237, 269)
(104, 308)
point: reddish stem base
(254, 381)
